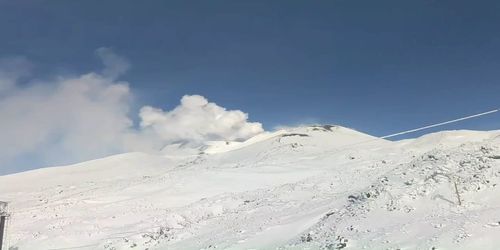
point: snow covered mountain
(317, 187)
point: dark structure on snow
(3, 220)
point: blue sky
(376, 66)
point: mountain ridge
(305, 187)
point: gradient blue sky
(376, 66)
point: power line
(382, 137)
(414, 130)
(439, 124)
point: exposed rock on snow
(318, 187)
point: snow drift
(316, 187)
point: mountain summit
(309, 187)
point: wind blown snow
(71, 119)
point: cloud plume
(87, 116)
(197, 120)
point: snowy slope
(319, 187)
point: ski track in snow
(301, 188)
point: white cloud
(65, 121)
(197, 120)
(87, 116)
